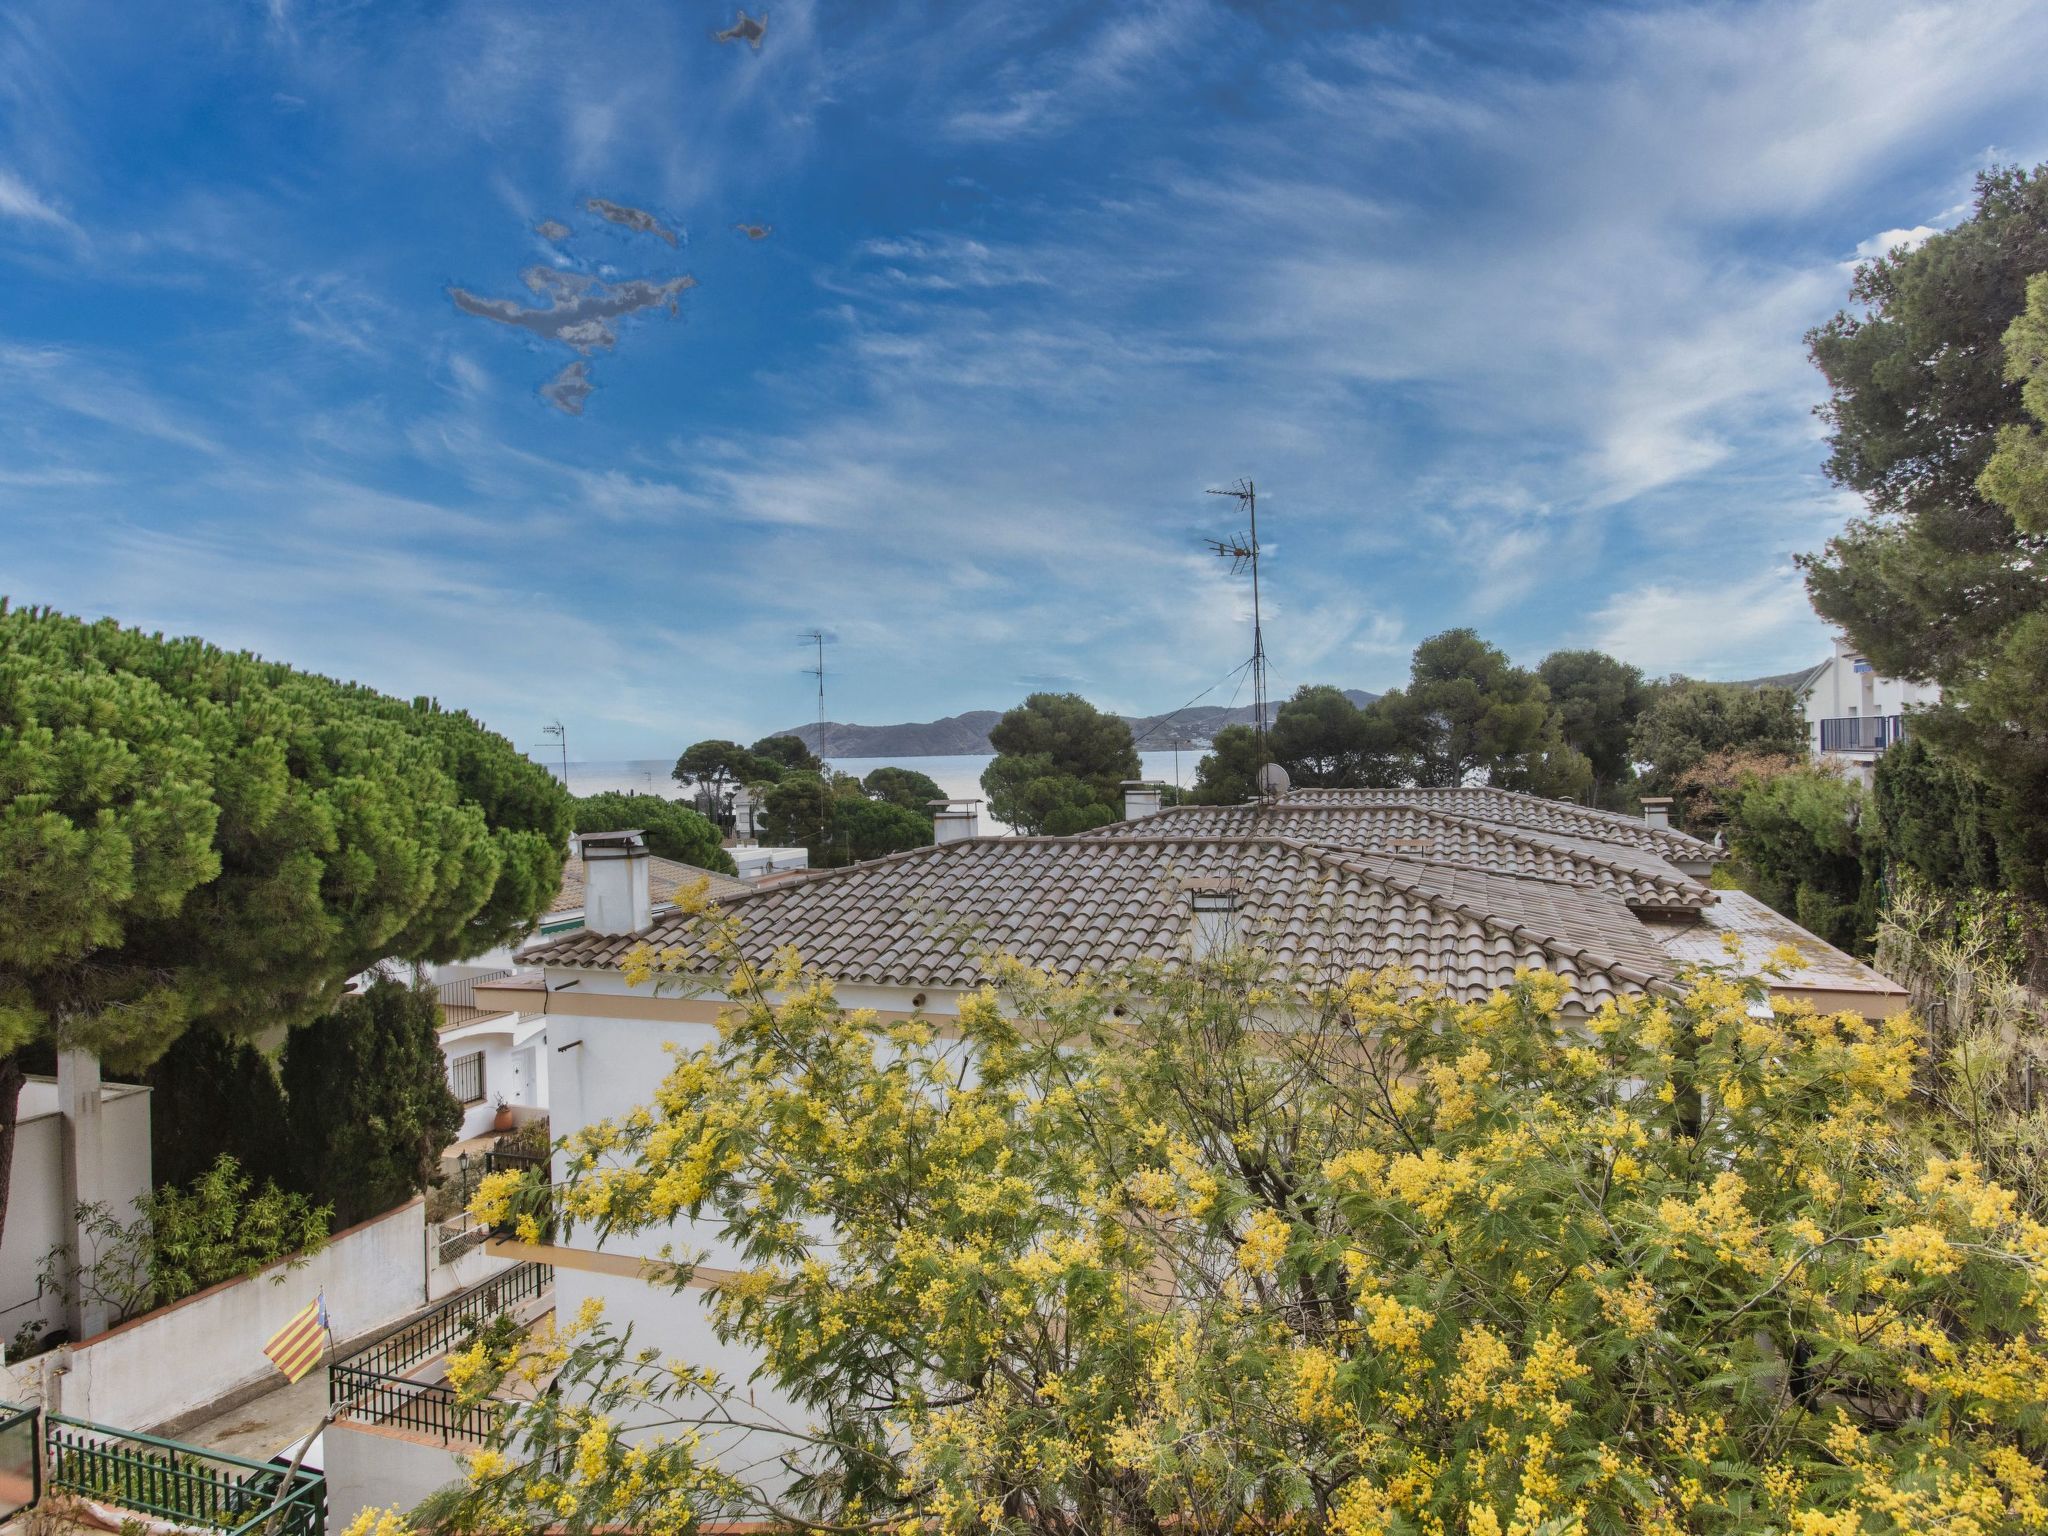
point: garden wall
(207, 1350)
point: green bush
(183, 1240)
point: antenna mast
(816, 638)
(558, 729)
(1243, 554)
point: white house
(1458, 886)
(1853, 712)
(495, 1042)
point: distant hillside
(967, 735)
(1782, 680)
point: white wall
(471, 1268)
(180, 1358)
(383, 1469)
(1840, 691)
(37, 1219)
(515, 1053)
(610, 1067)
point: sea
(957, 777)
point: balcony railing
(1867, 733)
(424, 1407)
(435, 1332)
(183, 1485)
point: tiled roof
(1435, 838)
(1507, 807)
(1822, 967)
(1077, 904)
(664, 878)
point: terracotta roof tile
(1078, 904)
(1533, 813)
(1437, 838)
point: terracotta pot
(502, 1121)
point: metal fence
(1867, 733)
(458, 997)
(434, 1332)
(424, 1407)
(181, 1484)
(21, 1461)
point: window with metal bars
(466, 1077)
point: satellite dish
(1273, 781)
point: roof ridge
(1550, 944)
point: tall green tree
(1058, 756)
(1468, 710)
(1935, 819)
(1687, 722)
(1325, 741)
(1228, 771)
(1598, 701)
(1929, 378)
(867, 829)
(1799, 846)
(788, 753)
(718, 765)
(904, 787)
(2016, 475)
(674, 831)
(212, 1094)
(370, 1104)
(190, 836)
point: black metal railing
(1866, 733)
(458, 997)
(21, 1460)
(424, 1407)
(502, 1159)
(182, 1484)
(436, 1331)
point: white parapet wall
(207, 1350)
(38, 1219)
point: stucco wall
(37, 1220)
(382, 1469)
(161, 1367)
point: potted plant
(502, 1121)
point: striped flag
(295, 1348)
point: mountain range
(966, 735)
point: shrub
(183, 1240)
(1223, 1250)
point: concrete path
(265, 1425)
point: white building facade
(1853, 712)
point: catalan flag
(295, 1348)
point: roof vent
(1142, 798)
(1212, 906)
(955, 821)
(616, 895)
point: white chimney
(955, 820)
(1142, 798)
(1657, 810)
(616, 897)
(1213, 906)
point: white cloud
(1737, 628)
(18, 200)
(1896, 240)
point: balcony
(1866, 733)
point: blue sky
(1501, 306)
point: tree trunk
(11, 1076)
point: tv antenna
(1242, 551)
(561, 730)
(816, 638)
